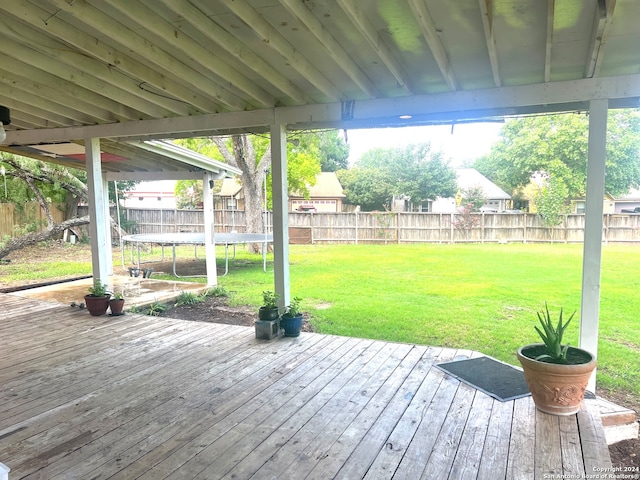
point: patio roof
(130, 160)
(177, 68)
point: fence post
(451, 228)
(357, 224)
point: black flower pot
(268, 313)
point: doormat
(497, 379)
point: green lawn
(481, 297)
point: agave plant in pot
(291, 320)
(556, 373)
(97, 300)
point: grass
(481, 297)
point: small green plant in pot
(116, 304)
(557, 374)
(291, 320)
(269, 309)
(97, 301)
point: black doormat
(497, 379)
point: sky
(466, 141)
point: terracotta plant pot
(556, 388)
(116, 305)
(97, 305)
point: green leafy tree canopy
(413, 171)
(559, 143)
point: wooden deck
(142, 397)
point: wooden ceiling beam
(330, 44)
(130, 40)
(359, 20)
(213, 67)
(19, 103)
(486, 10)
(172, 92)
(430, 33)
(551, 5)
(60, 112)
(603, 16)
(265, 31)
(235, 47)
(26, 76)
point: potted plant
(557, 374)
(291, 320)
(97, 301)
(269, 309)
(116, 304)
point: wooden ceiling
(126, 69)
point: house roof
(632, 196)
(327, 186)
(470, 177)
(230, 187)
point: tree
(551, 201)
(334, 152)
(367, 187)
(559, 142)
(473, 198)
(413, 171)
(46, 183)
(189, 194)
(252, 155)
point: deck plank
(151, 398)
(493, 463)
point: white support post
(280, 214)
(592, 250)
(96, 210)
(107, 227)
(209, 229)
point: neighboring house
(230, 196)
(325, 196)
(609, 205)
(152, 195)
(628, 202)
(466, 178)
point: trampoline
(197, 238)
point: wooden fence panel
(30, 217)
(404, 227)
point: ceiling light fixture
(5, 119)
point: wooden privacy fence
(404, 227)
(16, 220)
